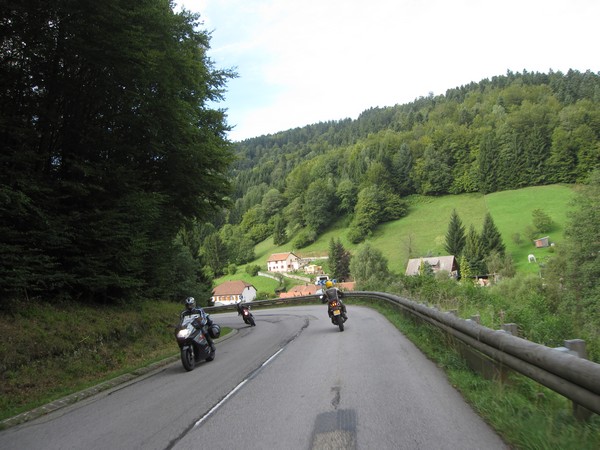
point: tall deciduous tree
(318, 210)
(369, 266)
(366, 214)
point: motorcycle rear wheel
(187, 358)
(341, 323)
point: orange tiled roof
(231, 288)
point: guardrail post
(577, 346)
(511, 328)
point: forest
(109, 148)
(513, 131)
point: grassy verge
(48, 352)
(527, 415)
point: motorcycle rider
(190, 308)
(241, 306)
(332, 293)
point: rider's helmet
(328, 284)
(190, 303)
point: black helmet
(190, 303)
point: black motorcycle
(191, 338)
(247, 315)
(334, 308)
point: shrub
(304, 238)
(252, 269)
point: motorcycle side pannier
(214, 331)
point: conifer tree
(339, 260)
(455, 236)
(473, 252)
(491, 240)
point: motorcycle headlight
(182, 334)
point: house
(345, 285)
(299, 291)
(312, 289)
(312, 269)
(437, 264)
(232, 292)
(542, 242)
(283, 262)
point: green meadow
(422, 232)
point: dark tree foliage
(279, 231)
(402, 164)
(108, 145)
(455, 236)
(575, 270)
(491, 239)
(488, 164)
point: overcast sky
(306, 61)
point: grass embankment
(48, 352)
(526, 414)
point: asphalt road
(292, 382)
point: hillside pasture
(422, 232)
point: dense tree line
(507, 132)
(109, 148)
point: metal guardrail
(575, 378)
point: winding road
(292, 382)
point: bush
(541, 221)
(304, 238)
(252, 269)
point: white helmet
(190, 303)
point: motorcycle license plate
(336, 312)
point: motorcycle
(247, 316)
(191, 338)
(334, 307)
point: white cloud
(318, 60)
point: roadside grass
(48, 352)
(422, 232)
(526, 414)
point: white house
(232, 292)
(283, 262)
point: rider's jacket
(189, 312)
